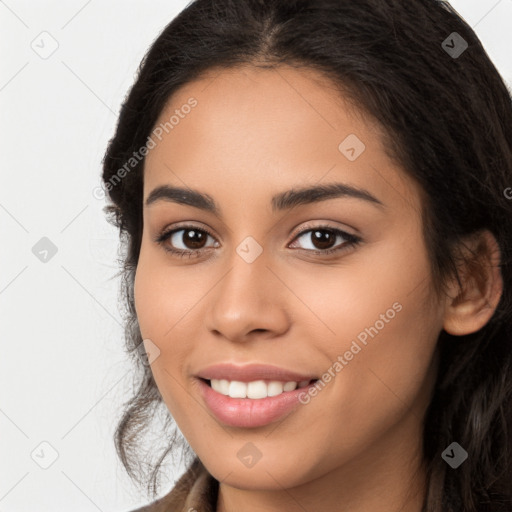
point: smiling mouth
(257, 389)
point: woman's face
(273, 279)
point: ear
(470, 308)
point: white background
(63, 371)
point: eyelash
(350, 240)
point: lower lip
(249, 412)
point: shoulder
(160, 505)
(195, 488)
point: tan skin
(356, 445)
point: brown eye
(325, 239)
(193, 238)
(188, 239)
(185, 241)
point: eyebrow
(282, 201)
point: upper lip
(251, 372)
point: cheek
(160, 310)
(382, 332)
(380, 376)
(375, 292)
(163, 296)
(164, 302)
(386, 364)
(143, 292)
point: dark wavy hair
(447, 121)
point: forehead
(232, 103)
(264, 129)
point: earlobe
(469, 309)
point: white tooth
(224, 387)
(274, 388)
(290, 386)
(257, 389)
(215, 384)
(237, 389)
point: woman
(312, 196)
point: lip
(250, 372)
(248, 412)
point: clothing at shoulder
(195, 491)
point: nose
(248, 302)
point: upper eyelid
(173, 229)
(296, 234)
(325, 225)
(304, 226)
